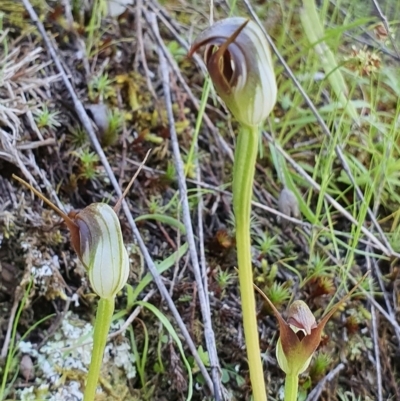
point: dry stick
(85, 120)
(208, 330)
(385, 314)
(332, 201)
(386, 25)
(139, 36)
(131, 318)
(142, 55)
(219, 139)
(375, 335)
(375, 338)
(324, 127)
(36, 144)
(391, 312)
(200, 231)
(313, 396)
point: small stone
(288, 205)
(26, 368)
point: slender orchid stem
(102, 324)
(243, 177)
(291, 387)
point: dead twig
(141, 55)
(200, 230)
(375, 339)
(36, 144)
(316, 392)
(208, 330)
(386, 25)
(131, 317)
(213, 129)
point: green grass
(10, 370)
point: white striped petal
(102, 249)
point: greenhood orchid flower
(97, 239)
(300, 335)
(300, 324)
(100, 248)
(239, 62)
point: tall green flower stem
(243, 177)
(291, 387)
(240, 65)
(102, 324)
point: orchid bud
(100, 247)
(239, 62)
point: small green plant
(278, 293)
(89, 161)
(319, 366)
(101, 88)
(230, 372)
(79, 137)
(170, 172)
(268, 245)
(155, 205)
(224, 278)
(176, 50)
(45, 118)
(115, 120)
(317, 268)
